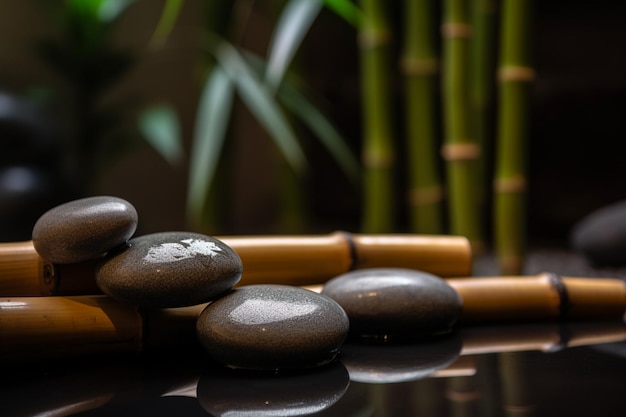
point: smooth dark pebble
(601, 236)
(272, 327)
(84, 229)
(170, 269)
(395, 302)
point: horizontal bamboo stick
(293, 260)
(35, 327)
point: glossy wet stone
(170, 269)
(270, 327)
(393, 301)
(84, 229)
(601, 236)
(233, 392)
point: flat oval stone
(170, 269)
(84, 229)
(272, 327)
(394, 301)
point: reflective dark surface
(573, 369)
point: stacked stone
(265, 327)
(256, 327)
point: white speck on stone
(186, 249)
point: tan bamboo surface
(23, 271)
(293, 260)
(539, 297)
(67, 326)
(36, 327)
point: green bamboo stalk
(420, 69)
(515, 75)
(514, 376)
(482, 87)
(460, 150)
(378, 150)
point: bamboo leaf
(302, 107)
(212, 120)
(160, 127)
(109, 10)
(262, 104)
(171, 11)
(319, 124)
(347, 10)
(293, 24)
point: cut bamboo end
(456, 30)
(517, 73)
(425, 196)
(460, 151)
(416, 67)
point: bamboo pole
(514, 76)
(482, 88)
(38, 328)
(460, 150)
(420, 68)
(294, 260)
(378, 149)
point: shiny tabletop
(521, 369)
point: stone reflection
(228, 392)
(383, 361)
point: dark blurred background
(576, 152)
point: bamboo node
(516, 73)
(515, 184)
(372, 159)
(456, 30)
(425, 196)
(370, 39)
(460, 151)
(415, 66)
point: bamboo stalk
(420, 68)
(460, 150)
(38, 328)
(514, 75)
(294, 260)
(482, 87)
(378, 150)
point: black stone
(84, 229)
(395, 302)
(601, 236)
(170, 269)
(272, 327)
